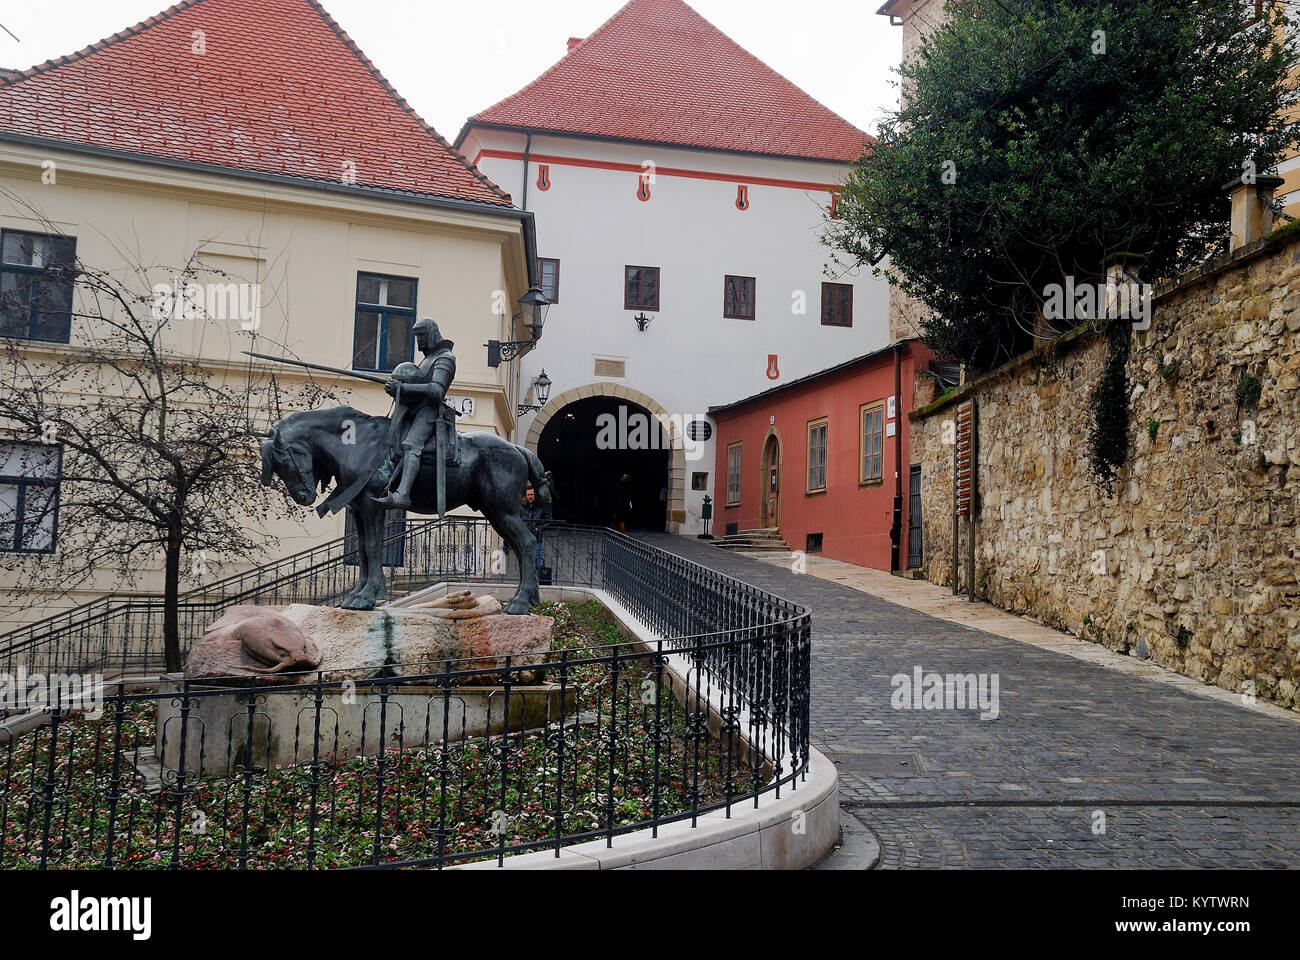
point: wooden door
(771, 483)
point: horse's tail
(538, 476)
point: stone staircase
(765, 539)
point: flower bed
(467, 801)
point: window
(548, 271)
(36, 274)
(700, 481)
(733, 474)
(29, 497)
(817, 456)
(738, 298)
(813, 543)
(837, 304)
(385, 312)
(873, 442)
(642, 289)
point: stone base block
(352, 723)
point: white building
(677, 178)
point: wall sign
(699, 430)
(462, 405)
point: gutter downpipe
(532, 260)
(896, 528)
(528, 153)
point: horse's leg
(370, 538)
(363, 561)
(524, 545)
(376, 587)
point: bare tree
(158, 449)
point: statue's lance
(340, 498)
(355, 375)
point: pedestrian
(535, 512)
(623, 502)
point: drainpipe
(896, 529)
(528, 152)
(513, 386)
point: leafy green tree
(1040, 138)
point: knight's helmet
(430, 326)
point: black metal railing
(608, 739)
(122, 634)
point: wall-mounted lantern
(535, 307)
(541, 390)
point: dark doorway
(771, 499)
(589, 445)
(914, 552)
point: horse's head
(287, 455)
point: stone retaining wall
(1195, 552)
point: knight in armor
(419, 392)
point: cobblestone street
(1182, 780)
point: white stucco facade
(592, 220)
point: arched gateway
(570, 435)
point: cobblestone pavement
(1183, 781)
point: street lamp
(541, 390)
(535, 307)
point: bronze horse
(309, 450)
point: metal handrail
(86, 610)
(121, 633)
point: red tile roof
(659, 72)
(280, 89)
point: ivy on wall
(1108, 443)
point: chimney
(574, 41)
(1252, 218)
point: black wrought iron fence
(438, 767)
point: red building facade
(824, 458)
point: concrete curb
(792, 832)
(857, 849)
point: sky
(451, 59)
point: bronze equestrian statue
(390, 465)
